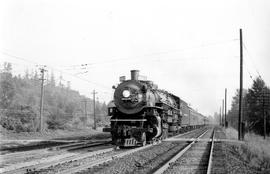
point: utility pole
(220, 122)
(94, 102)
(222, 112)
(189, 116)
(85, 110)
(42, 70)
(264, 115)
(240, 133)
(226, 123)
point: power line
(19, 58)
(250, 57)
(154, 53)
(250, 76)
(32, 71)
(61, 71)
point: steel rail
(51, 150)
(47, 162)
(211, 154)
(101, 161)
(179, 135)
(178, 155)
(87, 145)
(44, 163)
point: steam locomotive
(141, 113)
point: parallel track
(180, 162)
(86, 166)
(107, 155)
(55, 159)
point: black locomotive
(141, 113)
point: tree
(255, 106)
(20, 96)
(216, 118)
(233, 113)
(52, 80)
(7, 90)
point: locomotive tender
(141, 113)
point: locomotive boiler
(141, 113)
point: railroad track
(56, 155)
(72, 161)
(103, 160)
(196, 157)
(81, 145)
(84, 168)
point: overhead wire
(251, 59)
(86, 65)
(138, 58)
(61, 71)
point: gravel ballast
(145, 161)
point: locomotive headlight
(126, 93)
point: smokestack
(134, 74)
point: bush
(55, 124)
(13, 124)
(19, 120)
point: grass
(231, 133)
(255, 150)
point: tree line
(255, 105)
(63, 107)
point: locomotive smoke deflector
(134, 74)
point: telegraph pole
(85, 110)
(264, 116)
(189, 116)
(226, 124)
(94, 102)
(223, 112)
(220, 122)
(42, 70)
(240, 133)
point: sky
(189, 48)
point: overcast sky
(190, 48)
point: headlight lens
(126, 93)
